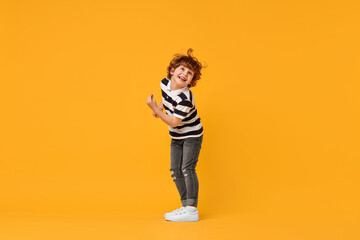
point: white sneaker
(175, 211)
(184, 214)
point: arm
(169, 120)
(161, 107)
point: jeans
(184, 157)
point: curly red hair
(188, 61)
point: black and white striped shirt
(181, 104)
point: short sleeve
(182, 109)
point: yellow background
(279, 102)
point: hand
(155, 115)
(151, 102)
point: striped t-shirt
(181, 104)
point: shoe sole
(182, 220)
(169, 218)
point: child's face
(182, 76)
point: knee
(176, 173)
(187, 171)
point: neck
(173, 85)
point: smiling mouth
(183, 79)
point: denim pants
(184, 157)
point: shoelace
(178, 210)
(181, 211)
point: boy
(185, 129)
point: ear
(172, 71)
